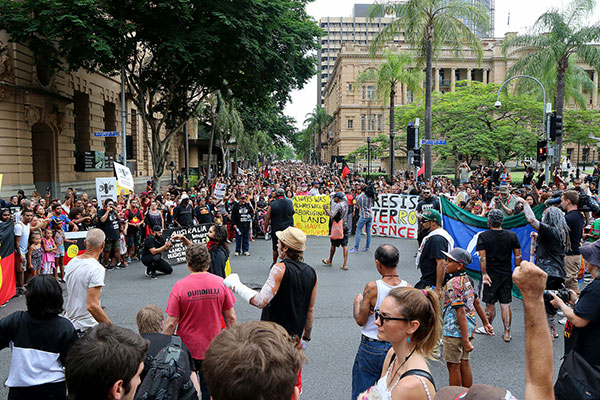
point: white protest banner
(395, 215)
(124, 176)
(106, 188)
(220, 189)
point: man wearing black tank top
(288, 296)
(372, 351)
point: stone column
(469, 71)
(452, 79)
(436, 79)
(485, 75)
(595, 91)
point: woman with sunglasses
(410, 319)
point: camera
(562, 293)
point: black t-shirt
(133, 217)
(282, 214)
(432, 250)
(203, 215)
(585, 339)
(575, 222)
(550, 252)
(110, 227)
(499, 246)
(183, 215)
(426, 204)
(159, 341)
(152, 242)
(527, 177)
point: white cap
(184, 196)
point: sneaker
(562, 321)
(252, 239)
(353, 250)
(109, 267)
(267, 236)
(237, 253)
(247, 253)
(153, 276)
(128, 259)
(122, 266)
(147, 273)
(364, 249)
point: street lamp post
(172, 168)
(546, 111)
(368, 158)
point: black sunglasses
(384, 318)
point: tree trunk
(559, 100)
(319, 133)
(428, 116)
(392, 95)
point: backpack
(169, 375)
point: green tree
(556, 41)
(317, 121)
(474, 129)
(428, 25)
(395, 70)
(379, 148)
(301, 141)
(175, 52)
(582, 127)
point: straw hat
(293, 238)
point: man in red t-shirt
(196, 304)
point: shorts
(499, 291)
(274, 240)
(61, 251)
(343, 241)
(132, 240)
(22, 265)
(112, 244)
(453, 350)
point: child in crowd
(123, 241)
(48, 259)
(459, 318)
(35, 254)
(59, 241)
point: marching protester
(430, 257)
(241, 216)
(364, 206)
(280, 216)
(339, 229)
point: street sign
(434, 142)
(107, 134)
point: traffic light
(410, 136)
(542, 150)
(416, 161)
(556, 126)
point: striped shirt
(364, 205)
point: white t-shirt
(314, 192)
(81, 274)
(23, 230)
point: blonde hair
(421, 305)
(149, 319)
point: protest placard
(106, 188)
(395, 215)
(309, 215)
(124, 176)
(220, 189)
(197, 234)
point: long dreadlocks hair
(556, 219)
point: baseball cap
(591, 253)
(432, 215)
(460, 256)
(479, 392)
(280, 192)
(157, 228)
(339, 195)
(184, 196)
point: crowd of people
(402, 326)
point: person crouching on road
(154, 245)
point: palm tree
(318, 121)
(427, 25)
(396, 69)
(557, 40)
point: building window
(110, 124)
(409, 96)
(350, 124)
(363, 118)
(350, 87)
(379, 122)
(372, 122)
(370, 91)
(364, 90)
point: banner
(8, 286)
(124, 176)
(395, 215)
(106, 188)
(309, 215)
(197, 234)
(220, 189)
(76, 248)
(465, 228)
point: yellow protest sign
(121, 190)
(309, 215)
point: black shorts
(500, 291)
(274, 239)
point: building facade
(358, 113)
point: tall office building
(361, 30)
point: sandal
(345, 268)
(324, 261)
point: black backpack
(169, 375)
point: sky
(523, 14)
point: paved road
(327, 375)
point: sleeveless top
(282, 214)
(370, 329)
(289, 307)
(386, 394)
(153, 219)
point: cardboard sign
(197, 234)
(220, 189)
(395, 215)
(124, 176)
(106, 188)
(309, 215)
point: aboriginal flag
(8, 286)
(345, 169)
